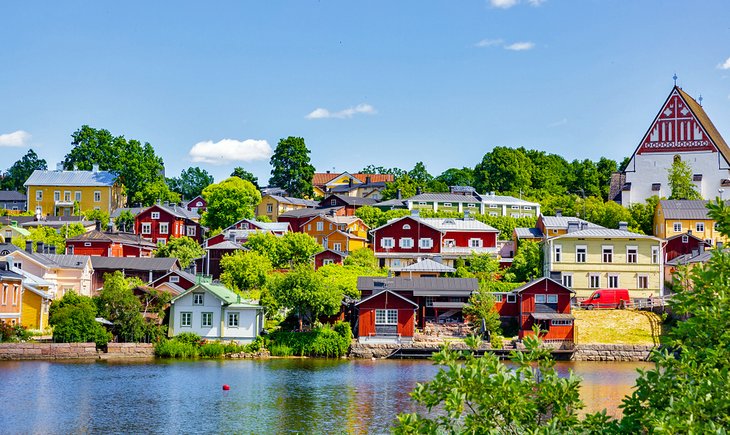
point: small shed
(328, 256)
(546, 303)
(386, 316)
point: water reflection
(275, 396)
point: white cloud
(725, 65)
(488, 43)
(320, 113)
(520, 46)
(15, 139)
(226, 150)
(535, 3)
(503, 4)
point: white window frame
(515, 207)
(632, 257)
(387, 242)
(493, 206)
(386, 317)
(333, 201)
(327, 261)
(207, 315)
(447, 204)
(186, 319)
(552, 298)
(639, 279)
(164, 228)
(405, 242)
(337, 246)
(198, 298)
(406, 227)
(97, 196)
(511, 298)
(685, 238)
(425, 243)
(567, 280)
(561, 322)
(39, 195)
(475, 243)
(146, 228)
(269, 208)
(493, 214)
(596, 283)
(161, 241)
(605, 248)
(557, 253)
(67, 196)
(56, 195)
(540, 299)
(232, 320)
(320, 226)
(654, 255)
(77, 196)
(155, 215)
(700, 227)
(190, 230)
(613, 277)
(498, 297)
(677, 226)
(471, 205)
(174, 278)
(429, 301)
(578, 254)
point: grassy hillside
(617, 327)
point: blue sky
(381, 82)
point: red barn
(683, 244)
(386, 315)
(160, 222)
(546, 303)
(109, 244)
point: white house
(214, 312)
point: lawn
(617, 327)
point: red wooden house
(109, 244)
(210, 263)
(328, 256)
(683, 244)
(546, 303)
(349, 203)
(241, 230)
(175, 282)
(295, 218)
(386, 315)
(160, 222)
(197, 205)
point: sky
(390, 83)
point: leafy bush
(281, 350)
(188, 337)
(176, 349)
(13, 333)
(497, 341)
(327, 341)
(212, 350)
(73, 319)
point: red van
(607, 298)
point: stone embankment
(49, 351)
(612, 352)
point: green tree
(50, 236)
(680, 181)
(17, 175)
(403, 183)
(298, 248)
(480, 312)
(73, 318)
(93, 215)
(587, 179)
(269, 246)
(606, 167)
(370, 215)
(125, 221)
(118, 304)
(229, 201)
(457, 177)
(363, 257)
(291, 168)
(184, 248)
(245, 175)
(303, 292)
(153, 192)
(528, 261)
(484, 267)
(551, 174)
(134, 163)
(191, 182)
(643, 214)
(506, 170)
(245, 272)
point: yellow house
(340, 233)
(272, 206)
(324, 183)
(57, 193)
(35, 308)
(673, 217)
(600, 258)
(63, 273)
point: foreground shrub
(212, 350)
(327, 341)
(13, 333)
(73, 318)
(176, 349)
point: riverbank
(63, 351)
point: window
(632, 254)
(422, 203)
(447, 204)
(155, 215)
(387, 242)
(678, 227)
(87, 244)
(700, 227)
(552, 299)
(568, 280)
(386, 317)
(233, 320)
(333, 202)
(320, 226)
(174, 278)
(492, 213)
(97, 196)
(511, 298)
(515, 207)
(269, 208)
(337, 246)
(67, 196)
(642, 281)
(515, 215)
(5, 294)
(471, 205)
(558, 253)
(77, 195)
(492, 205)
(561, 322)
(497, 297)
(395, 262)
(161, 241)
(57, 195)
(198, 298)
(164, 227)
(70, 249)
(540, 299)
(608, 254)
(594, 280)
(429, 301)
(327, 261)
(425, 243)
(612, 281)
(406, 227)
(655, 254)
(186, 319)
(39, 195)
(685, 238)
(405, 242)
(475, 243)
(191, 230)
(206, 320)
(146, 228)
(581, 252)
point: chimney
(415, 213)
(418, 190)
(59, 166)
(51, 249)
(349, 183)
(573, 226)
(95, 168)
(29, 246)
(166, 203)
(467, 216)
(623, 226)
(110, 226)
(719, 245)
(97, 225)
(558, 212)
(584, 225)
(40, 248)
(702, 248)
(689, 232)
(398, 194)
(368, 179)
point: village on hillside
(398, 256)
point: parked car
(607, 298)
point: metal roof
(562, 222)
(452, 224)
(552, 316)
(684, 209)
(428, 265)
(377, 283)
(70, 178)
(378, 293)
(11, 195)
(308, 212)
(396, 203)
(134, 263)
(124, 238)
(67, 261)
(294, 201)
(534, 282)
(134, 210)
(701, 257)
(350, 200)
(445, 197)
(604, 232)
(528, 233)
(225, 245)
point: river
(266, 396)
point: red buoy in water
(226, 387)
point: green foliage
(50, 236)
(291, 167)
(18, 173)
(409, 182)
(480, 312)
(457, 177)
(302, 291)
(496, 341)
(125, 221)
(212, 350)
(527, 263)
(184, 248)
(102, 216)
(118, 304)
(13, 333)
(191, 182)
(324, 341)
(136, 165)
(375, 217)
(229, 201)
(290, 250)
(642, 215)
(153, 192)
(362, 257)
(245, 175)
(73, 318)
(344, 277)
(505, 170)
(176, 349)
(245, 271)
(680, 181)
(189, 338)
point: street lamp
(721, 191)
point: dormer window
(406, 227)
(333, 202)
(155, 215)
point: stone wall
(48, 351)
(612, 352)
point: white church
(683, 129)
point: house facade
(349, 203)
(328, 256)
(148, 269)
(60, 273)
(11, 293)
(545, 303)
(486, 204)
(676, 217)
(12, 201)
(57, 193)
(340, 233)
(109, 244)
(358, 184)
(157, 224)
(386, 316)
(684, 244)
(197, 205)
(592, 259)
(214, 312)
(241, 230)
(272, 206)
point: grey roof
(53, 221)
(187, 275)
(134, 263)
(702, 257)
(351, 200)
(295, 201)
(308, 212)
(134, 210)
(684, 209)
(115, 237)
(527, 285)
(552, 316)
(604, 232)
(444, 197)
(11, 195)
(10, 274)
(347, 187)
(452, 224)
(70, 178)
(428, 265)
(340, 253)
(503, 199)
(417, 285)
(225, 245)
(395, 203)
(528, 233)
(66, 261)
(179, 211)
(562, 221)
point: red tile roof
(322, 178)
